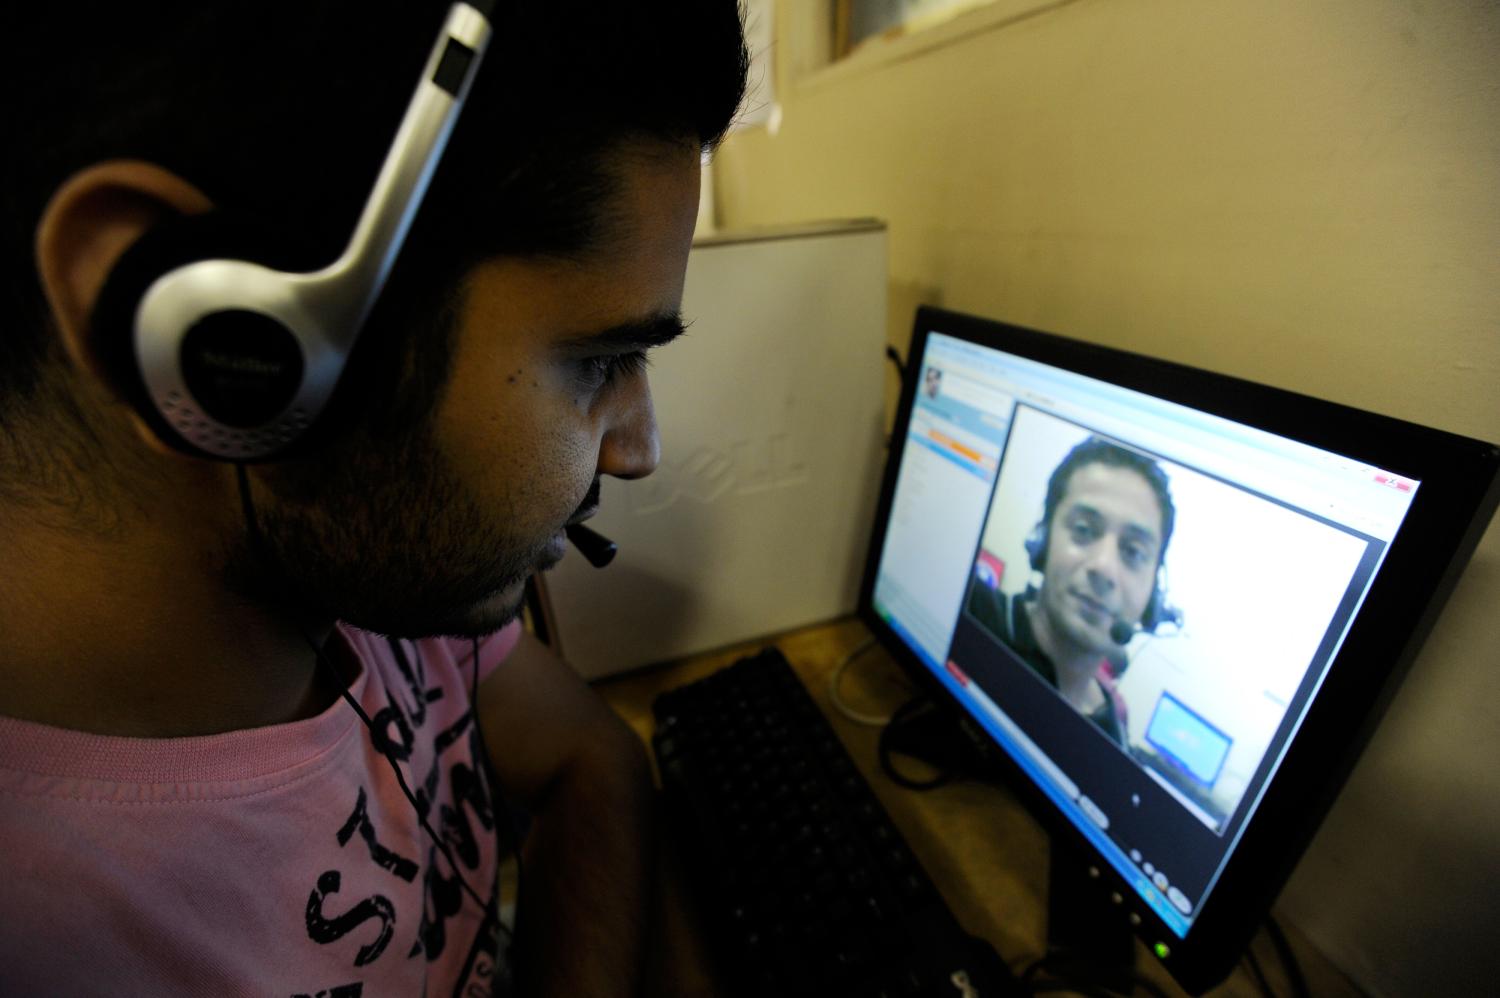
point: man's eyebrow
(640, 334)
(1084, 509)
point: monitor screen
(1135, 579)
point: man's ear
(92, 219)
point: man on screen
(932, 384)
(1099, 545)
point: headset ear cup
(1157, 610)
(1152, 617)
(1036, 547)
(111, 330)
(111, 335)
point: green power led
(1162, 952)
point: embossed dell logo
(708, 474)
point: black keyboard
(807, 886)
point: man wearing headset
(1105, 525)
(188, 804)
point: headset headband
(239, 358)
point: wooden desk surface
(985, 852)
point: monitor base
(1088, 938)
(921, 730)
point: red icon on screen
(1391, 482)
(989, 569)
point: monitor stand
(921, 730)
(1088, 938)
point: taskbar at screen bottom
(1059, 789)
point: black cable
(1074, 976)
(1258, 973)
(1143, 983)
(1138, 982)
(1072, 988)
(1288, 958)
(395, 768)
(895, 358)
(252, 526)
(883, 752)
(1029, 971)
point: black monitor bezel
(1459, 491)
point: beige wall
(1301, 193)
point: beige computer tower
(770, 411)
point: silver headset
(239, 358)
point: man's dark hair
(1097, 450)
(281, 111)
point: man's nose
(1103, 568)
(631, 447)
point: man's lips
(588, 506)
(585, 514)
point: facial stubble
(385, 536)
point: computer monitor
(1170, 604)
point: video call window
(1143, 601)
(1136, 600)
